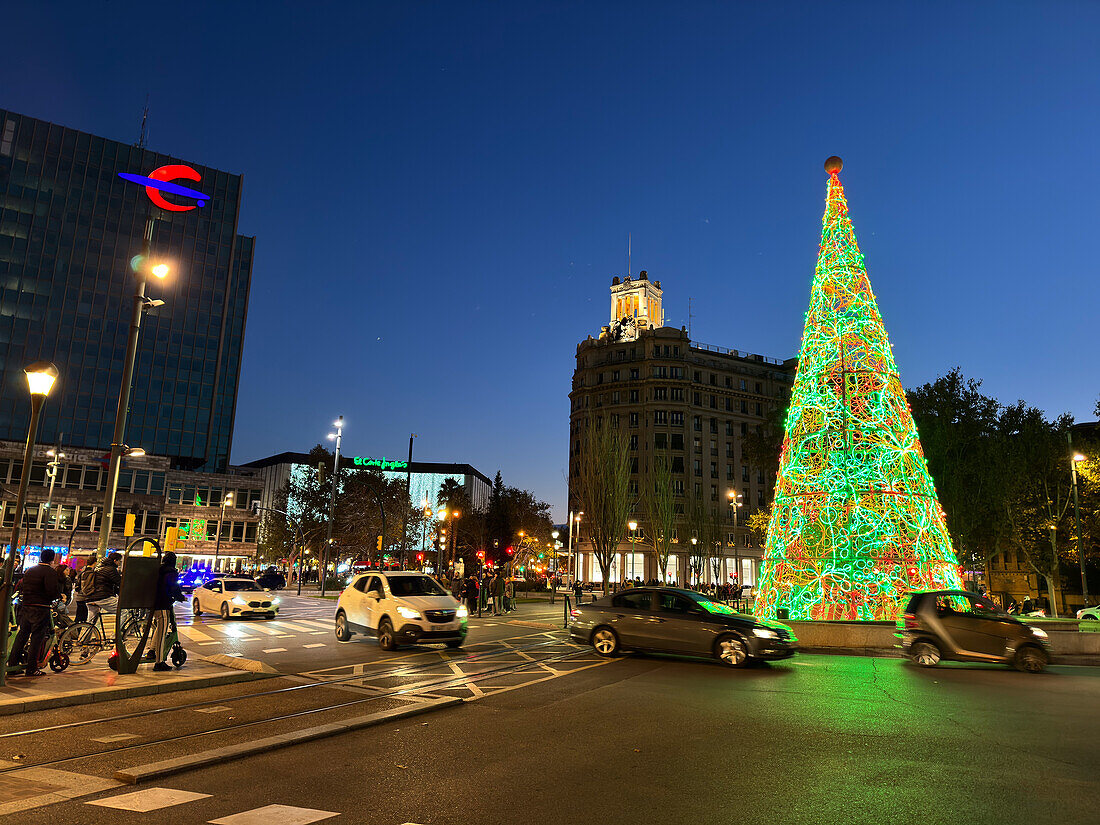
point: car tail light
(911, 621)
(574, 613)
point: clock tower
(635, 305)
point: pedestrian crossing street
(281, 634)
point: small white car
(1090, 613)
(400, 607)
(234, 598)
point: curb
(155, 770)
(73, 698)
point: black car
(271, 579)
(671, 620)
(967, 627)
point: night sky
(442, 192)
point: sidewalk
(91, 683)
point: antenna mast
(628, 254)
(144, 118)
(691, 317)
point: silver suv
(400, 607)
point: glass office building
(69, 227)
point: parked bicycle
(83, 640)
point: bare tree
(603, 491)
(660, 512)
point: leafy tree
(660, 512)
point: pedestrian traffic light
(509, 550)
(171, 539)
(420, 557)
(481, 554)
(131, 524)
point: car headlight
(276, 600)
(1039, 632)
(238, 600)
(462, 612)
(408, 612)
(764, 633)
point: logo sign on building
(380, 463)
(162, 180)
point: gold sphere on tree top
(834, 165)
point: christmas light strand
(856, 524)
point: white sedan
(233, 599)
(1091, 613)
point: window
(632, 601)
(677, 393)
(729, 472)
(677, 372)
(698, 489)
(760, 497)
(744, 472)
(729, 428)
(757, 387)
(615, 375)
(714, 426)
(660, 393)
(660, 441)
(698, 377)
(615, 397)
(698, 444)
(697, 423)
(660, 417)
(675, 350)
(677, 419)
(741, 384)
(759, 408)
(729, 449)
(714, 402)
(678, 483)
(633, 442)
(697, 399)
(677, 440)
(745, 407)
(614, 419)
(634, 419)
(729, 382)
(634, 375)
(744, 428)
(759, 476)
(714, 469)
(714, 493)
(713, 380)
(633, 396)
(634, 465)
(675, 603)
(599, 378)
(666, 349)
(698, 468)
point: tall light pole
(633, 525)
(407, 505)
(454, 536)
(41, 376)
(736, 503)
(52, 467)
(1077, 457)
(694, 542)
(337, 436)
(142, 266)
(226, 499)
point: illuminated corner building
(69, 226)
(856, 523)
(424, 481)
(689, 403)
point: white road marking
(275, 815)
(212, 709)
(204, 644)
(262, 629)
(149, 799)
(275, 650)
(189, 632)
(291, 626)
(315, 623)
(319, 644)
(115, 737)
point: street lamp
(226, 499)
(143, 267)
(736, 503)
(41, 376)
(633, 525)
(694, 558)
(1077, 459)
(337, 436)
(52, 467)
(454, 537)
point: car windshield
(415, 586)
(237, 586)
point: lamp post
(52, 467)
(41, 376)
(142, 266)
(338, 435)
(408, 498)
(575, 563)
(736, 503)
(1077, 457)
(694, 542)
(454, 536)
(226, 499)
(633, 525)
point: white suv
(400, 607)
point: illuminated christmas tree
(856, 523)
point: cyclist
(40, 587)
(108, 579)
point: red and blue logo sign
(161, 180)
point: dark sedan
(671, 620)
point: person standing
(168, 592)
(40, 587)
(498, 594)
(85, 584)
(107, 581)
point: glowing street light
(41, 377)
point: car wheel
(1030, 659)
(455, 643)
(225, 611)
(925, 654)
(731, 650)
(196, 609)
(605, 641)
(343, 633)
(386, 639)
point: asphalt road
(816, 739)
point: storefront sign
(380, 463)
(160, 180)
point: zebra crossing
(205, 634)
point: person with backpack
(85, 584)
(168, 592)
(105, 585)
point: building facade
(69, 228)
(425, 477)
(693, 404)
(65, 502)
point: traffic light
(509, 550)
(171, 539)
(420, 557)
(131, 524)
(379, 545)
(481, 554)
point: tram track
(399, 693)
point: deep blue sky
(441, 192)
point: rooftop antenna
(144, 118)
(628, 254)
(691, 317)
